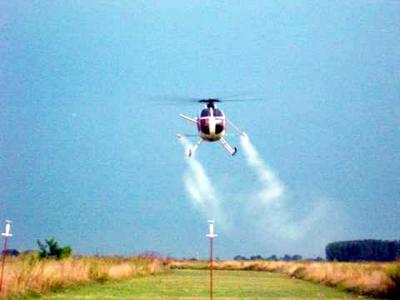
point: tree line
(363, 250)
(286, 257)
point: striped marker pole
(211, 235)
(6, 234)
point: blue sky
(88, 156)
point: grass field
(363, 278)
(193, 284)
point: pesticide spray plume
(272, 187)
(269, 210)
(199, 186)
(271, 200)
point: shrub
(51, 249)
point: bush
(239, 257)
(51, 249)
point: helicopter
(211, 126)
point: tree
(286, 257)
(239, 257)
(51, 249)
(363, 250)
(256, 257)
(11, 252)
(297, 257)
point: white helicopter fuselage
(211, 128)
(211, 125)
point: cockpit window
(205, 112)
(204, 126)
(217, 113)
(219, 127)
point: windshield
(205, 113)
(217, 113)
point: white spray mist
(200, 187)
(270, 200)
(272, 187)
(267, 211)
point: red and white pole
(211, 235)
(6, 234)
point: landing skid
(194, 148)
(231, 150)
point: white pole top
(211, 234)
(7, 229)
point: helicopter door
(219, 126)
(204, 121)
(205, 126)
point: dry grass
(372, 279)
(29, 275)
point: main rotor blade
(174, 99)
(249, 99)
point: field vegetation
(381, 280)
(27, 274)
(194, 285)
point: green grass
(193, 284)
